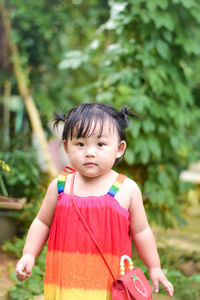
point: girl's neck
(98, 178)
(94, 185)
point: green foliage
(4, 168)
(185, 287)
(34, 285)
(24, 177)
(44, 31)
(146, 55)
(148, 59)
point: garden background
(141, 53)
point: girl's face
(95, 155)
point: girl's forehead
(97, 128)
(107, 128)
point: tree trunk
(6, 113)
(24, 91)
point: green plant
(146, 56)
(185, 287)
(34, 285)
(25, 179)
(24, 175)
(6, 168)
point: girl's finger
(168, 286)
(29, 268)
(156, 286)
(20, 272)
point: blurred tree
(141, 53)
(37, 35)
(146, 54)
(21, 79)
(43, 32)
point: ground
(6, 262)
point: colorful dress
(74, 268)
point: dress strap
(116, 185)
(61, 183)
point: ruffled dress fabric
(74, 268)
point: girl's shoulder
(131, 186)
(48, 206)
(53, 185)
(129, 193)
(135, 195)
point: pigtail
(127, 112)
(59, 118)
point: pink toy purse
(130, 286)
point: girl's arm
(38, 233)
(145, 242)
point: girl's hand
(24, 267)
(157, 276)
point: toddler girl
(111, 204)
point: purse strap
(87, 227)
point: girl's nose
(90, 152)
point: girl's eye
(80, 144)
(100, 144)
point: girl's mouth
(90, 164)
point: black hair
(81, 121)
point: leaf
(162, 129)
(146, 58)
(155, 81)
(195, 12)
(140, 144)
(157, 196)
(105, 96)
(73, 60)
(186, 3)
(164, 179)
(124, 89)
(163, 19)
(154, 147)
(129, 156)
(196, 278)
(94, 44)
(153, 4)
(162, 48)
(158, 111)
(148, 126)
(144, 155)
(145, 16)
(117, 8)
(167, 36)
(189, 41)
(184, 93)
(174, 141)
(114, 49)
(111, 79)
(135, 129)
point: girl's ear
(65, 145)
(121, 149)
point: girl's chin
(93, 173)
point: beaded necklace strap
(116, 185)
(61, 183)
